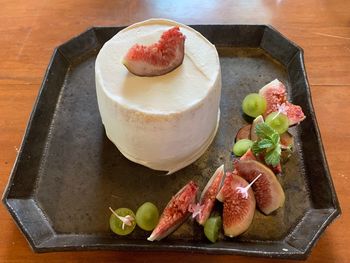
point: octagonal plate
(68, 173)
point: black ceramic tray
(68, 173)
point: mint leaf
(273, 157)
(256, 149)
(275, 138)
(265, 143)
(264, 130)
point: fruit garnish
(243, 133)
(195, 209)
(287, 145)
(277, 121)
(122, 221)
(175, 212)
(249, 155)
(267, 190)
(256, 121)
(254, 105)
(159, 58)
(244, 190)
(238, 212)
(147, 216)
(287, 141)
(295, 113)
(207, 200)
(212, 228)
(268, 144)
(275, 94)
(242, 146)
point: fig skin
(176, 212)
(268, 191)
(287, 146)
(238, 212)
(287, 140)
(249, 155)
(159, 58)
(256, 121)
(208, 196)
(277, 169)
(243, 133)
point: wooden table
(30, 29)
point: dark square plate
(68, 173)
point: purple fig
(275, 94)
(268, 191)
(249, 155)
(256, 121)
(158, 58)
(239, 205)
(208, 196)
(175, 212)
(243, 133)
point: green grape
(254, 105)
(278, 121)
(147, 216)
(242, 146)
(116, 224)
(212, 227)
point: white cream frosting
(164, 122)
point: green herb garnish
(268, 143)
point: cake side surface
(164, 122)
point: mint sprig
(269, 143)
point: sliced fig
(159, 58)
(287, 145)
(249, 155)
(277, 169)
(220, 196)
(208, 196)
(268, 191)
(295, 113)
(239, 205)
(287, 140)
(256, 121)
(176, 212)
(275, 94)
(243, 133)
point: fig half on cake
(159, 58)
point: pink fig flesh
(275, 94)
(238, 209)
(175, 212)
(208, 195)
(249, 155)
(159, 58)
(268, 191)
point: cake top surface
(176, 91)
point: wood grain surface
(30, 29)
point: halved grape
(254, 105)
(118, 226)
(147, 216)
(212, 228)
(278, 121)
(242, 146)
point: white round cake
(163, 122)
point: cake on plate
(164, 122)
